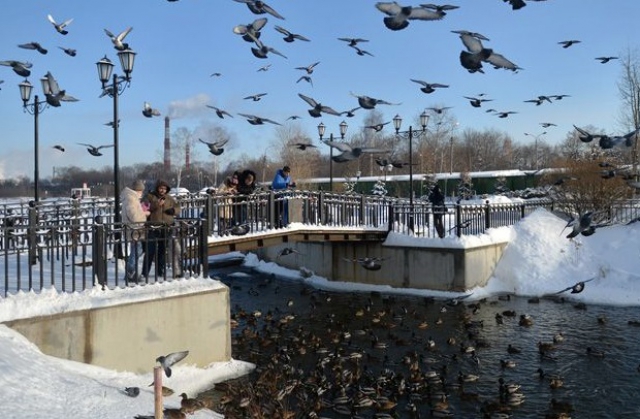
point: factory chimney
(167, 146)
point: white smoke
(193, 107)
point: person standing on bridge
(134, 215)
(282, 181)
(436, 197)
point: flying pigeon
(429, 87)
(440, 9)
(293, 117)
(287, 251)
(362, 52)
(304, 146)
(539, 100)
(607, 142)
(581, 225)
(166, 362)
(309, 68)
(21, 68)
(1, 81)
(369, 263)
(34, 45)
(215, 148)
(59, 147)
(398, 16)
(439, 111)
(69, 51)
(220, 112)
(148, 111)
(604, 60)
(215, 74)
(350, 113)
(352, 42)
(257, 120)
(262, 50)
(251, 31)
(290, 36)
(264, 67)
(518, 4)
(476, 102)
(378, 127)
(259, 7)
(55, 95)
(255, 97)
(504, 114)
(548, 124)
(367, 102)
(476, 53)
(60, 27)
(585, 136)
(305, 78)
(567, 44)
(559, 97)
(577, 288)
(93, 150)
(350, 153)
(118, 40)
(317, 108)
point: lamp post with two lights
(115, 89)
(35, 108)
(343, 132)
(535, 150)
(410, 133)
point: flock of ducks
(388, 357)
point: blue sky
(179, 44)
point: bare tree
(629, 88)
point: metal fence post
(204, 247)
(487, 215)
(391, 217)
(33, 224)
(321, 211)
(362, 210)
(272, 209)
(98, 250)
(458, 220)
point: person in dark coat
(246, 186)
(436, 197)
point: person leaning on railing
(246, 187)
(163, 211)
(134, 215)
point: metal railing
(73, 244)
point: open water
(407, 339)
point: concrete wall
(442, 269)
(129, 337)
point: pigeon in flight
(369, 263)
(429, 87)
(606, 142)
(350, 113)
(60, 27)
(148, 111)
(290, 36)
(21, 68)
(262, 50)
(1, 81)
(309, 68)
(377, 127)
(361, 52)
(257, 120)
(367, 102)
(317, 108)
(304, 146)
(548, 124)
(584, 225)
(504, 114)
(352, 42)
(264, 68)
(251, 31)
(577, 288)
(539, 100)
(476, 53)
(305, 78)
(293, 117)
(59, 147)
(558, 97)
(287, 251)
(259, 7)
(215, 74)
(55, 95)
(585, 136)
(439, 111)
(69, 51)
(477, 102)
(604, 60)
(398, 16)
(255, 97)
(35, 46)
(117, 40)
(350, 153)
(440, 9)
(567, 44)
(220, 112)
(518, 4)
(215, 148)
(95, 151)
(166, 362)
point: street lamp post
(34, 108)
(397, 122)
(535, 147)
(115, 89)
(343, 132)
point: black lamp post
(397, 122)
(35, 108)
(343, 132)
(115, 89)
(535, 149)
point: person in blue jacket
(282, 181)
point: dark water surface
(313, 339)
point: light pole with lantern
(115, 89)
(34, 108)
(535, 147)
(397, 122)
(343, 132)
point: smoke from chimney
(167, 146)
